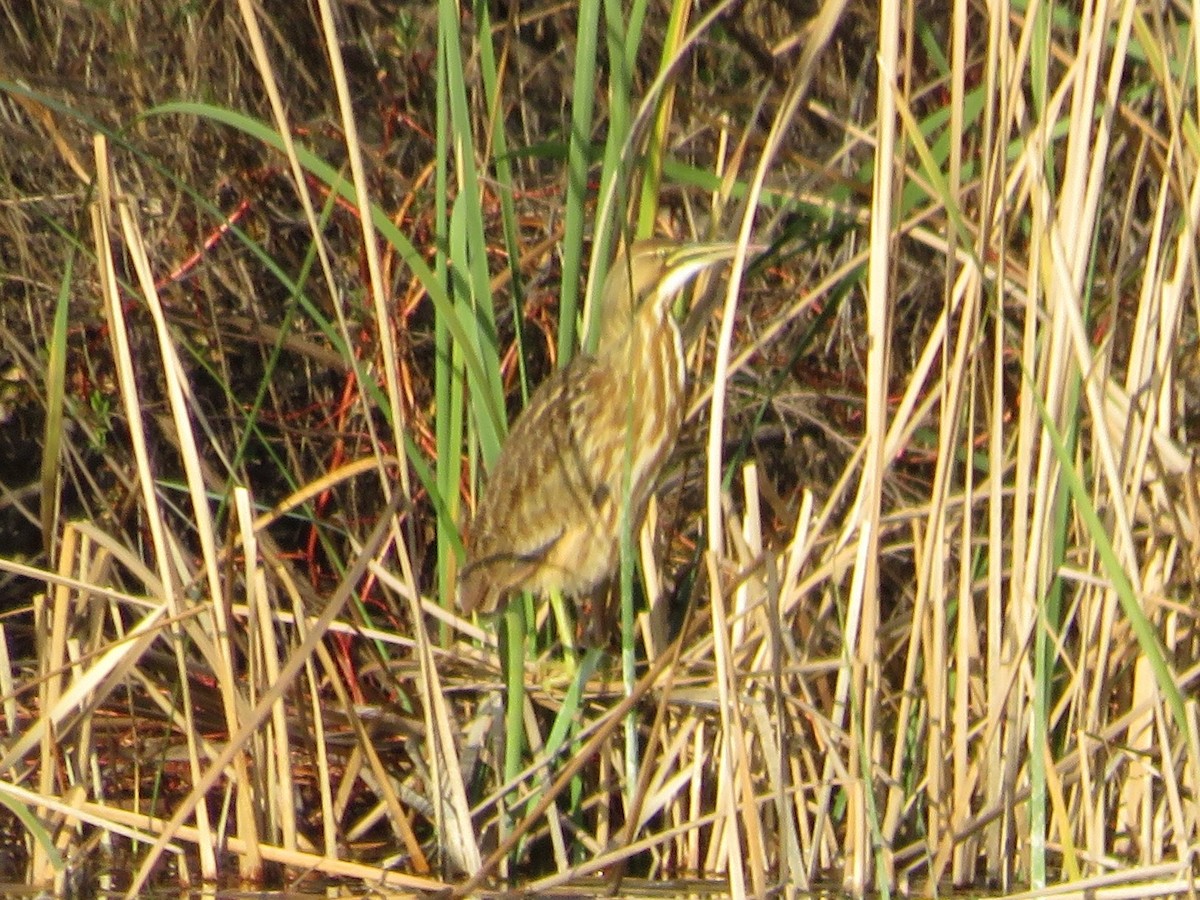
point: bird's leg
(598, 615)
(564, 621)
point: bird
(590, 442)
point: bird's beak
(690, 260)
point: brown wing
(545, 483)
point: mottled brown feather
(550, 514)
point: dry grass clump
(914, 606)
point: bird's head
(653, 271)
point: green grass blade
(56, 377)
(578, 152)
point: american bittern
(550, 516)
